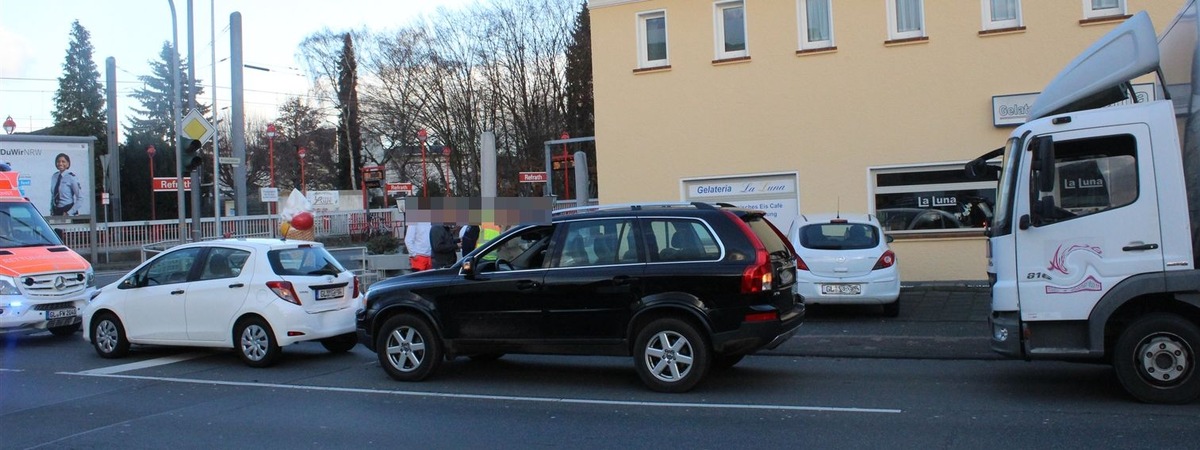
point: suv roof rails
(636, 207)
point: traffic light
(192, 156)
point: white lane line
(579, 401)
(144, 364)
(12, 370)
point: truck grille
(53, 284)
(53, 306)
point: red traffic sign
(170, 184)
(532, 177)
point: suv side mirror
(468, 267)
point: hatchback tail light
(284, 290)
(887, 260)
(758, 277)
(800, 264)
(357, 287)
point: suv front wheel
(407, 348)
(671, 355)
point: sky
(35, 36)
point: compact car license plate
(59, 313)
(326, 294)
(841, 289)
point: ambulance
(43, 284)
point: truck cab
(43, 284)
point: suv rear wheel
(671, 356)
(407, 348)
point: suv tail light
(759, 276)
(887, 260)
(284, 290)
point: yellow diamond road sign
(197, 128)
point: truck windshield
(22, 226)
(1002, 220)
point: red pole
(271, 155)
(303, 189)
(566, 173)
(422, 135)
(446, 155)
(150, 152)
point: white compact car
(252, 295)
(845, 259)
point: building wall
(829, 116)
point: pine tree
(581, 119)
(155, 117)
(79, 101)
(349, 132)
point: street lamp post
(271, 155)
(150, 154)
(303, 190)
(422, 136)
(566, 173)
(9, 125)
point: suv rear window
(770, 238)
(304, 261)
(839, 236)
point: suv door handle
(177, 292)
(1139, 247)
(527, 284)
(623, 280)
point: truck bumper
(1006, 333)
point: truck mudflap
(1006, 333)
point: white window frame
(992, 24)
(1092, 13)
(893, 32)
(719, 29)
(644, 61)
(802, 20)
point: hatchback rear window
(304, 261)
(839, 236)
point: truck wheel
(670, 355)
(407, 348)
(1155, 359)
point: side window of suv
(671, 239)
(597, 242)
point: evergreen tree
(79, 101)
(155, 116)
(349, 127)
(581, 120)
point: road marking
(12, 370)
(144, 364)
(578, 401)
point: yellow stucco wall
(828, 116)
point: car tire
(725, 362)
(1155, 359)
(408, 349)
(670, 355)
(65, 331)
(108, 336)
(340, 343)
(255, 342)
(892, 309)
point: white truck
(1092, 251)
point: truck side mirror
(1043, 160)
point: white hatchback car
(844, 259)
(252, 295)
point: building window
(906, 19)
(652, 39)
(1001, 14)
(729, 21)
(938, 197)
(816, 24)
(1094, 9)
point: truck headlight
(91, 277)
(8, 286)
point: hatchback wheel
(341, 343)
(108, 337)
(407, 348)
(892, 309)
(671, 356)
(255, 342)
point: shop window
(816, 24)
(932, 198)
(729, 21)
(652, 40)
(906, 19)
(1099, 9)
(1001, 14)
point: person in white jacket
(416, 240)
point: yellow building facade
(834, 105)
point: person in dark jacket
(469, 236)
(444, 244)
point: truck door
(1092, 220)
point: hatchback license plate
(326, 294)
(841, 289)
(59, 313)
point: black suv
(681, 287)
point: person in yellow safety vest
(487, 232)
